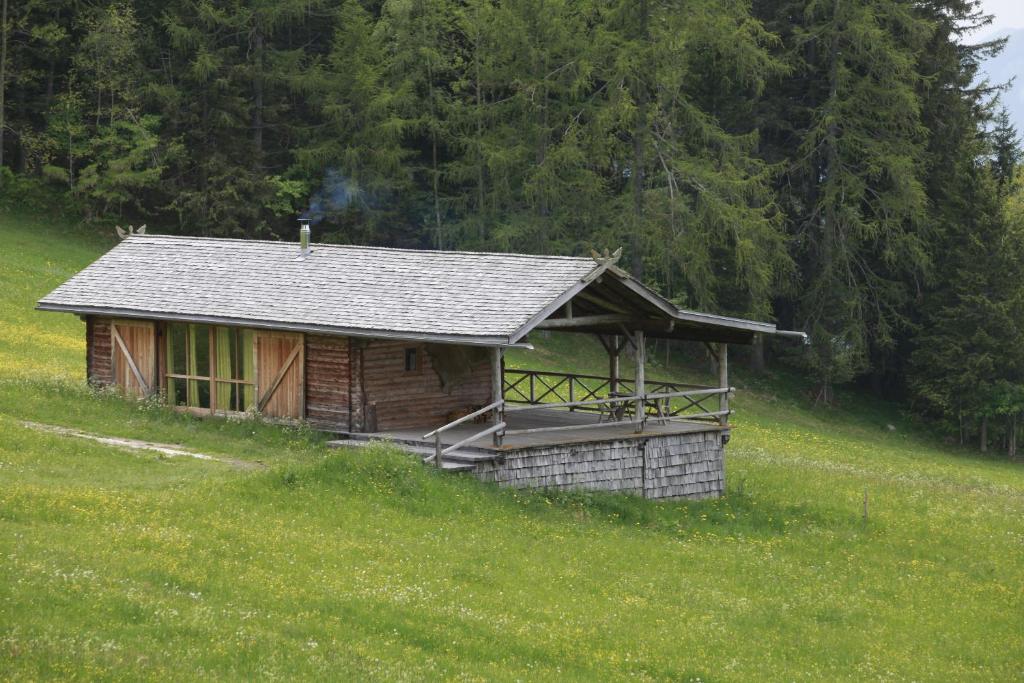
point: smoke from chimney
(335, 194)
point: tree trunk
(1011, 449)
(21, 150)
(481, 227)
(71, 141)
(257, 108)
(984, 433)
(637, 170)
(960, 424)
(828, 213)
(436, 174)
(436, 188)
(757, 354)
(3, 76)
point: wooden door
(134, 356)
(279, 374)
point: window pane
(199, 345)
(226, 396)
(245, 363)
(225, 339)
(242, 397)
(248, 397)
(199, 393)
(176, 392)
(176, 345)
(225, 393)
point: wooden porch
(540, 409)
(572, 427)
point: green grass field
(366, 565)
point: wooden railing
(662, 400)
(665, 405)
(533, 389)
(616, 409)
(440, 451)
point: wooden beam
(613, 365)
(640, 389)
(497, 391)
(601, 301)
(584, 321)
(628, 337)
(723, 383)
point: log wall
(328, 372)
(352, 384)
(98, 351)
(393, 398)
(356, 396)
(666, 466)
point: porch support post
(613, 365)
(498, 388)
(641, 360)
(723, 382)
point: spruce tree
(692, 201)
(1006, 149)
(964, 367)
(845, 126)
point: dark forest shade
(826, 164)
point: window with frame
(411, 360)
(210, 367)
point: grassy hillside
(363, 564)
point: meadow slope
(117, 564)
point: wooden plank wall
(273, 350)
(356, 395)
(401, 399)
(98, 351)
(140, 339)
(328, 369)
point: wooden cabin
(373, 343)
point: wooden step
(466, 453)
(457, 461)
(465, 450)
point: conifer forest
(841, 167)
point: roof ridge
(554, 257)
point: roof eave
(666, 307)
(468, 340)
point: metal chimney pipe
(304, 236)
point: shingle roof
(433, 294)
(446, 296)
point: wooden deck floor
(546, 417)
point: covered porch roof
(609, 301)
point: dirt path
(169, 450)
